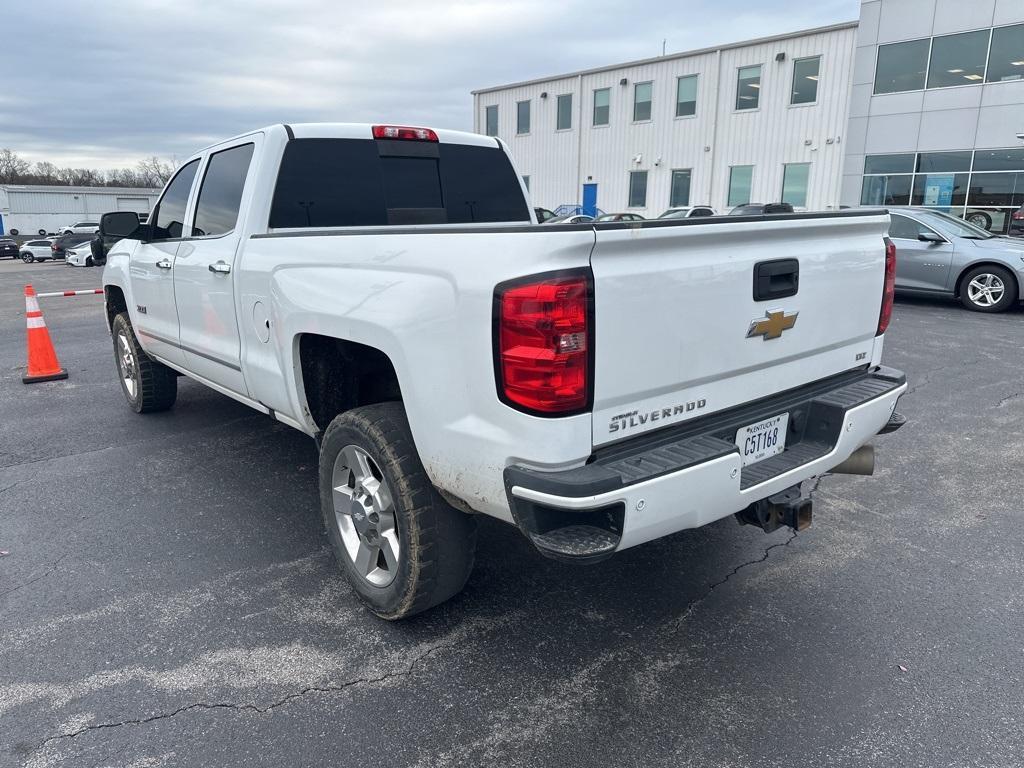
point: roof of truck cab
(357, 131)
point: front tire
(28, 258)
(988, 289)
(148, 386)
(15, 232)
(401, 547)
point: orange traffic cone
(42, 359)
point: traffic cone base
(42, 358)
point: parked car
(468, 379)
(79, 228)
(940, 253)
(576, 218)
(37, 250)
(543, 215)
(687, 212)
(59, 244)
(620, 217)
(9, 248)
(1016, 227)
(79, 255)
(760, 209)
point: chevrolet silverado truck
(388, 291)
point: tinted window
(885, 190)
(993, 189)
(740, 179)
(642, 101)
(944, 161)
(170, 212)
(347, 183)
(522, 117)
(680, 193)
(958, 59)
(805, 80)
(637, 189)
(999, 159)
(748, 87)
(564, 112)
(38, 242)
(903, 228)
(220, 196)
(901, 66)
(1006, 58)
(602, 98)
(889, 164)
(942, 189)
(491, 120)
(686, 96)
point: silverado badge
(772, 325)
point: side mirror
(119, 225)
(930, 237)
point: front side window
(602, 100)
(638, 189)
(904, 228)
(748, 87)
(1006, 58)
(220, 196)
(564, 112)
(680, 194)
(901, 66)
(805, 80)
(642, 102)
(686, 96)
(522, 117)
(170, 211)
(794, 183)
(741, 179)
(958, 59)
(491, 120)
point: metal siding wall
(74, 204)
(769, 138)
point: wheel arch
(958, 285)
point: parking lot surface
(168, 597)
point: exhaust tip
(860, 462)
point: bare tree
(45, 173)
(12, 167)
(155, 172)
(152, 172)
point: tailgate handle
(776, 279)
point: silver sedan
(939, 253)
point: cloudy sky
(102, 84)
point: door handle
(164, 264)
(220, 267)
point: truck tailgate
(675, 307)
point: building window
(491, 120)
(642, 102)
(794, 183)
(638, 189)
(564, 119)
(805, 80)
(748, 87)
(680, 193)
(602, 98)
(741, 179)
(522, 117)
(889, 164)
(901, 66)
(1006, 58)
(686, 96)
(958, 59)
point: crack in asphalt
(707, 593)
(51, 569)
(1008, 398)
(408, 670)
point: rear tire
(376, 498)
(15, 232)
(988, 289)
(28, 258)
(148, 386)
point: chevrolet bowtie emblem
(772, 326)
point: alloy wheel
(986, 290)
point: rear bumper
(691, 475)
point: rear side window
(367, 183)
(221, 194)
(170, 212)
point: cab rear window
(367, 183)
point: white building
(33, 209)
(758, 121)
(920, 102)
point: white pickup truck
(387, 290)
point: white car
(597, 387)
(37, 250)
(79, 228)
(687, 212)
(79, 255)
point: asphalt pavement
(167, 597)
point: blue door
(590, 199)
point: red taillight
(888, 287)
(403, 132)
(543, 340)
(1017, 215)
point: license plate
(762, 440)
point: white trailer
(31, 210)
